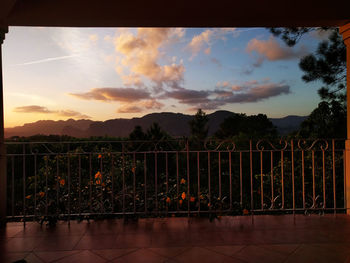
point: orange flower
(133, 169)
(183, 181)
(180, 202)
(245, 212)
(98, 181)
(201, 197)
(62, 182)
(99, 156)
(98, 175)
(168, 200)
(209, 205)
(28, 196)
(103, 184)
(192, 199)
(183, 195)
(41, 194)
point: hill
(176, 124)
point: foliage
(254, 126)
(199, 126)
(327, 64)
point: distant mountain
(288, 124)
(176, 124)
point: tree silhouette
(199, 126)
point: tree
(156, 133)
(328, 120)
(327, 64)
(253, 127)
(199, 126)
(137, 134)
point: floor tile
(141, 255)
(58, 243)
(225, 250)
(133, 240)
(49, 256)
(259, 254)
(113, 253)
(320, 254)
(202, 255)
(96, 242)
(17, 244)
(168, 252)
(84, 256)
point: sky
(108, 73)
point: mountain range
(176, 124)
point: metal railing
(112, 178)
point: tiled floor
(279, 238)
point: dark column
(3, 179)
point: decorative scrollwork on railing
(305, 145)
(261, 145)
(215, 145)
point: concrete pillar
(3, 175)
(345, 32)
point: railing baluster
(230, 174)
(177, 181)
(324, 180)
(344, 175)
(156, 180)
(46, 185)
(313, 180)
(220, 176)
(282, 178)
(188, 177)
(134, 180)
(24, 184)
(101, 182)
(251, 175)
(145, 178)
(112, 180)
(167, 181)
(13, 185)
(79, 183)
(123, 179)
(198, 183)
(272, 182)
(240, 179)
(68, 185)
(303, 176)
(209, 184)
(57, 185)
(293, 182)
(334, 188)
(261, 180)
(90, 182)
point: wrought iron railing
(113, 178)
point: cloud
(72, 113)
(93, 38)
(113, 94)
(32, 109)
(271, 50)
(141, 106)
(204, 40)
(216, 62)
(228, 93)
(45, 110)
(140, 55)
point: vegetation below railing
(164, 178)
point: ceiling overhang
(179, 13)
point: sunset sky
(107, 73)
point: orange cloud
(141, 106)
(113, 94)
(41, 109)
(204, 40)
(140, 54)
(271, 50)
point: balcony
(176, 201)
